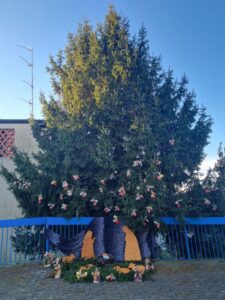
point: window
(7, 139)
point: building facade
(13, 133)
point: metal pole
(32, 83)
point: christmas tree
(122, 137)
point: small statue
(105, 258)
(137, 275)
(68, 259)
(96, 276)
(147, 264)
(48, 259)
(81, 274)
(57, 268)
(110, 277)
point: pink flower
(61, 196)
(137, 163)
(75, 177)
(157, 162)
(160, 176)
(122, 191)
(69, 193)
(53, 182)
(107, 209)
(117, 208)
(65, 184)
(94, 201)
(148, 189)
(64, 206)
(51, 205)
(157, 224)
(83, 194)
(172, 142)
(177, 203)
(134, 213)
(207, 202)
(152, 267)
(40, 198)
(149, 209)
(206, 189)
(139, 196)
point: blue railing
(195, 238)
(24, 239)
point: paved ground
(174, 280)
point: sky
(188, 34)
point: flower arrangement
(85, 271)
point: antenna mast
(29, 64)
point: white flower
(207, 201)
(54, 182)
(214, 207)
(100, 190)
(128, 173)
(51, 205)
(153, 194)
(94, 201)
(64, 206)
(117, 208)
(172, 142)
(137, 163)
(116, 220)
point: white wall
(24, 141)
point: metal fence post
(46, 239)
(187, 244)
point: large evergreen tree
(122, 135)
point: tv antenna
(29, 64)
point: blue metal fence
(195, 238)
(23, 240)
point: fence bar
(25, 239)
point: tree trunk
(97, 227)
(115, 238)
(143, 244)
(152, 245)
